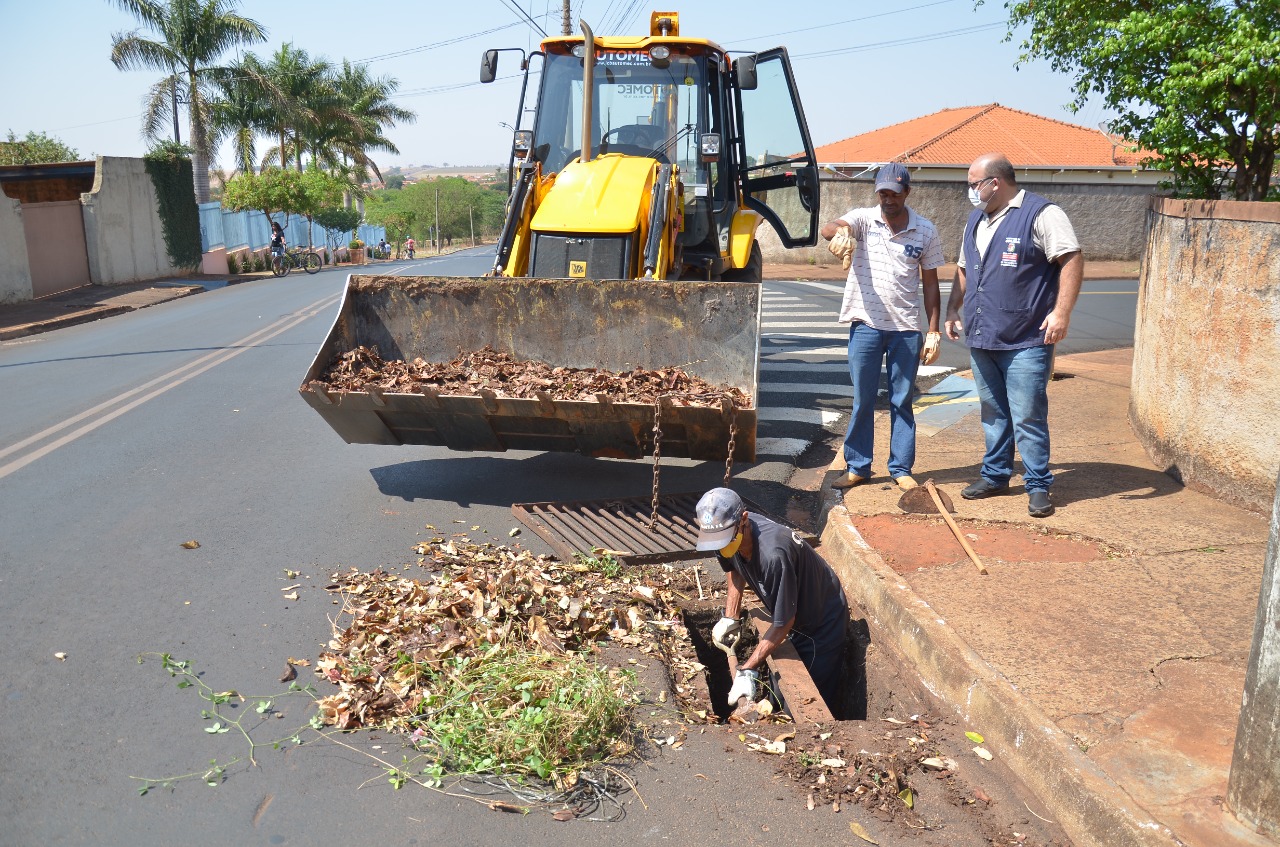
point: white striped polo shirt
(883, 288)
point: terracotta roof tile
(958, 136)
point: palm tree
(367, 100)
(193, 35)
(243, 108)
(304, 93)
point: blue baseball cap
(719, 513)
(893, 177)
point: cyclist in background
(277, 240)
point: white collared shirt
(883, 288)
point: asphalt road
(124, 438)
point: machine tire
(753, 272)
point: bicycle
(294, 258)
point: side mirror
(709, 147)
(746, 69)
(489, 66)
(521, 143)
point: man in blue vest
(1017, 280)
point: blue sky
(859, 65)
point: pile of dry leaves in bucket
(487, 369)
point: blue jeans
(901, 353)
(1012, 385)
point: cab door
(777, 168)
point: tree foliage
(35, 148)
(192, 35)
(456, 203)
(1195, 81)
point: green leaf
(907, 798)
(142, 792)
(974, 737)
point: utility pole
(566, 28)
(472, 216)
(437, 220)
(174, 92)
(1253, 788)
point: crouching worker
(800, 590)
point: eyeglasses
(978, 184)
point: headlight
(579, 50)
(660, 52)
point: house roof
(958, 136)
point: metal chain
(657, 459)
(733, 441)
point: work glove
(726, 632)
(842, 246)
(745, 684)
(929, 352)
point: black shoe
(1038, 504)
(983, 488)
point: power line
(409, 51)
(841, 23)
(515, 7)
(879, 45)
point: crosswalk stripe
(806, 367)
(821, 417)
(814, 388)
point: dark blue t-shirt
(791, 579)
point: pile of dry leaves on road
(495, 639)
(487, 369)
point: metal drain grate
(621, 524)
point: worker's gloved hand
(725, 633)
(745, 684)
(929, 352)
(842, 246)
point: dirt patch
(908, 543)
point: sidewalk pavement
(92, 302)
(1103, 656)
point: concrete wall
(15, 275)
(1109, 220)
(123, 234)
(1206, 358)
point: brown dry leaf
(858, 830)
(979, 794)
(499, 806)
(289, 674)
(190, 545)
(563, 815)
(302, 663)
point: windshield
(639, 110)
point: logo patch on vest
(1009, 258)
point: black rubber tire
(753, 272)
(279, 267)
(313, 263)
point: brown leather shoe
(848, 480)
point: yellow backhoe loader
(630, 241)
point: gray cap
(894, 177)
(719, 513)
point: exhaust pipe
(588, 88)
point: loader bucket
(710, 329)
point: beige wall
(1207, 347)
(15, 276)
(122, 227)
(1109, 219)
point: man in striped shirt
(895, 251)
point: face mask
(729, 551)
(975, 197)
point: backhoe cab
(655, 158)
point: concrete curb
(80, 317)
(1092, 809)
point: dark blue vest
(1009, 293)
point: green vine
(169, 166)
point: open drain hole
(699, 620)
